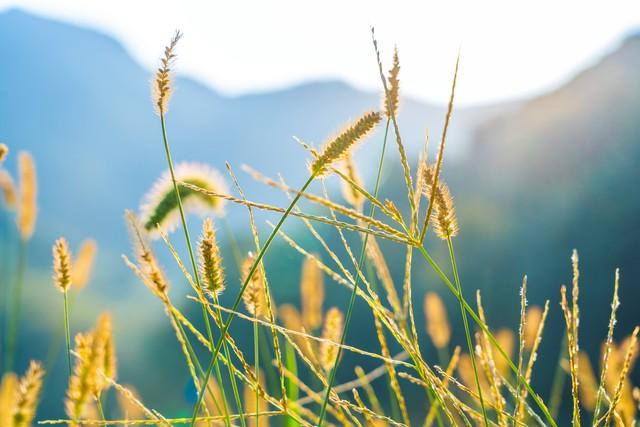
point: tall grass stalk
(256, 362)
(196, 274)
(465, 321)
(14, 308)
(67, 333)
(236, 303)
(352, 300)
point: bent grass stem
(194, 266)
(352, 300)
(236, 303)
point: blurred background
(542, 157)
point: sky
(509, 49)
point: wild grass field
(292, 377)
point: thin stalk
(352, 300)
(192, 258)
(236, 303)
(194, 359)
(230, 367)
(490, 335)
(256, 351)
(56, 342)
(100, 409)
(558, 381)
(14, 309)
(66, 330)
(467, 332)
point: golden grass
(488, 384)
(27, 207)
(62, 265)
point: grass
(486, 385)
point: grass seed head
(444, 214)
(437, 322)
(27, 212)
(145, 255)
(103, 335)
(254, 294)
(28, 395)
(83, 264)
(4, 150)
(62, 265)
(393, 95)
(312, 294)
(333, 325)
(162, 85)
(339, 147)
(210, 260)
(160, 209)
(87, 382)
(8, 189)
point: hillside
(560, 172)
(82, 105)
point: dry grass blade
(436, 174)
(324, 201)
(573, 355)
(615, 303)
(453, 363)
(533, 345)
(617, 395)
(389, 101)
(386, 232)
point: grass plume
(339, 147)
(211, 268)
(83, 264)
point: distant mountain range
(560, 172)
(79, 101)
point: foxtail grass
(489, 383)
(26, 222)
(62, 272)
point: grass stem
(236, 303)
(467, 331)
(192, 258)
(67, 333)
(490, 335)
(352, 300)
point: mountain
(78, 100)
(559, 172)
(532, 179)
(81, 104)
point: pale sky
(509, 49)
